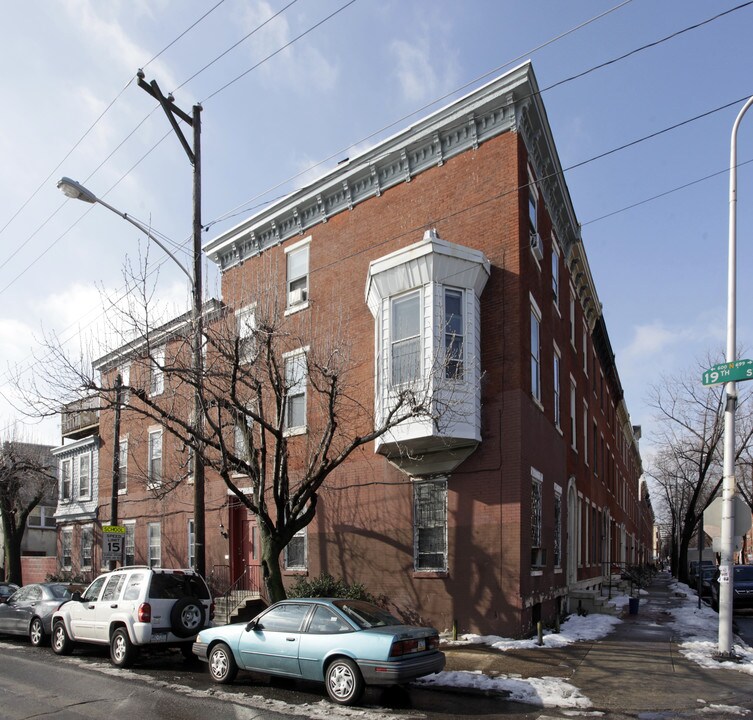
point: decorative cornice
(463, 125)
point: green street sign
(729, 372)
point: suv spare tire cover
(178, 616)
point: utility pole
(116, 459)
(193, 152)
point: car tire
(122, 650)
(37, 634)
(222, 665)
(61, 642)
(344, 682)
(187, 617)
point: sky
(326, 79)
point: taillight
(145, 613)
(413, 645)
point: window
(245, 324)
(406, 338)
(92, 592)
(84, 476)
(113, 587)
(286, 618)
(585, 432)
(157, 375)
(430, 525)
(536, 354)
(585, 349)
(556, 379)
(125, 378)
(298, 273)
(296, 552)
(538, 554)
(87, 543)
(41, 517)
(324, 621)
(191, 544)
(453, 333)
(130, 543)
(557, 529)
(555, 272)
(65, 479)
(154, 470)
(66, 544)
(533, 203)
(123, 469)
(572, 316)
(155, 545)
(573, 412)
(295, 383)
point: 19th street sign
(729, 372)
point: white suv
(135, 607)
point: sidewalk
(637, 668)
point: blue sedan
(346, 644)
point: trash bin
(633, 606)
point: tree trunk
(13, 557)
(270, 566)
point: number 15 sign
(113, 542)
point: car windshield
(366, 615)
(744, 572)
(60, 592)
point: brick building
(458, 234)
(448, 255)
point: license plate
(159, 637)
(421, 645)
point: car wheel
(36, 632)
(344, 682)
(122, 650)
(61, 643)
(222, 665)
(187, 617)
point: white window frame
(245, 324)
(572, 317)
(87, 532)
(573, 414)
(123, 467)
(154, 544)
(538, 553)
(129, 542)
(153, 483)
(430, 514)
(66, 496)
(297, 390)
(557, 386)
(416, 373)
(85, 490)
(66, 543)
(555, 271)
(300, 537)
(125, 378)
(536, 353)
(40, 517)
(297, 286)
(585, 349)
(453, 337)
(157, 372)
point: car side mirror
(76, 596)
(252, 625)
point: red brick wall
(36, 569)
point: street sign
(113, 542)
(729, 372)
(712, 516)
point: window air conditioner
(297, 296)
(537, 247)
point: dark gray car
(29, 610)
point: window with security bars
(557, 530)
(87, 544)
(430, 525)
(538, 554)
(295, 552)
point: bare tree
(687, 466)
(283, 400)
(26, 476)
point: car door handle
(114, 605)
(90, 607)
(290, 639)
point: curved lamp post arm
(76, 191)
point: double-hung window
(154, 469)
(430, 525)
(155, 545)
(123, 467)
(295, 383)
(557, 546)
(130, 543)
(298, 273)
(245, 322)
(454, 333)
(65, 479)
(295, 551)
(555, 272)
(66, 545)
(535, 353)
(87, 543)
(406, 338)
(84, 476)
(557, 391)
(538, 554)
(533, 203)
(157, 372)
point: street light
(76, 191)
(726, 578)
